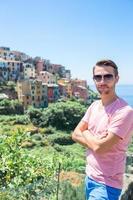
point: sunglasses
(106, 77)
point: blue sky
(74, 33)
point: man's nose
(102, 79)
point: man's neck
(108, 99)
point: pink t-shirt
(117, 117)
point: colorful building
(65, 87)
(3, 70)
(10, 69)
(39, 95)
(79, 89)
(32, 92)
(15, 68)
(29, 70)
(53, 92)
(6, 54)
(47, 77)
(80, 92)
(77, 82)
(39, 66)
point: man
(106, 131)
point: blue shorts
(99, 191)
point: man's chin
(103, 92)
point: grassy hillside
(38, 154)
(30, 158)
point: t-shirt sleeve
(121, 123)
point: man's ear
(117, 79)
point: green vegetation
(130, 148)
(10, 85)
(62, 116)
(70, 192)
(11, 107)
(31, 148)
(92, 95)
(30, 155)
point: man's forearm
(86, 139)
(92, 141)
(97, 144)
(79, 138)
(102, 144)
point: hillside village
(38, 81)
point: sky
(73, 33)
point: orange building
(65, 87)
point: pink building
(80, 92)
(53, 92)
(39, 66)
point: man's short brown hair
(107, 63)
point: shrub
(63, 116)
(58, 148)
(22, 120)
(60, 138)
(49, 130)
(34, 115)
(11, 106)
(22, 175)
(70, 192)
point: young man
(106, 131)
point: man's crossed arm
(98, 145)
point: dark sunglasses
(106, 77)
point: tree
(63, 116)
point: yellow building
(32, 92)
(24, 92)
